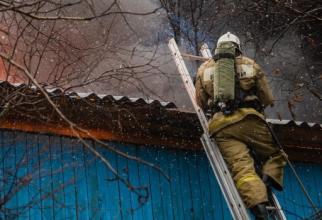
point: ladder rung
(271, 208)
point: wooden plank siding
(54, 177)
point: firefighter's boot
(260, 211)
(270, 182)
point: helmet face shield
(228, 37)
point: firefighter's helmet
(228, 37)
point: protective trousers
(237, 143)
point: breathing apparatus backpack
(224, 77)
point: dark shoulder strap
(223, 55)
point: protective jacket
(244, 133)
(250, 77)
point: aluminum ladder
(225, 181)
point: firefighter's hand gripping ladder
(225, 181)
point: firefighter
(239, 127)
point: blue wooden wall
(50, 177)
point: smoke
(127, 54)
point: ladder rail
(205, 51)
(225, 181)
(278, 207)
(184, 73)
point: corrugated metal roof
(92, 95)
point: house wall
(51, 177)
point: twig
(74, 128)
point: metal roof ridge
(52, 89)
(119, 97)
(287, 121)
(270, 120)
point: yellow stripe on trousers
(245, 179)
